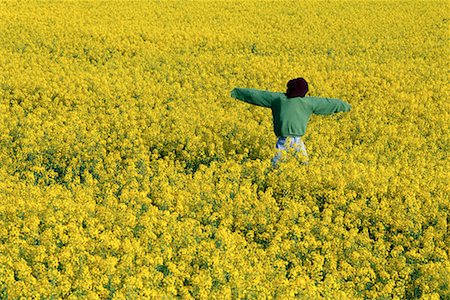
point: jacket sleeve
(256, 97)
(328, 106)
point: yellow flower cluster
(128, 172)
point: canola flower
(127, 171)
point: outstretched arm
(257, 97)
(328, 106)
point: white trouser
(284, 144)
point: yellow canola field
(128, 172)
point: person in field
(291, 112)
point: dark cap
(297, 87)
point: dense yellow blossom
(128, 172)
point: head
(297, 87)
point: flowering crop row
(128, 172)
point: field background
(128, 172)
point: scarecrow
(291, 112)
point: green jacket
(290, 115)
